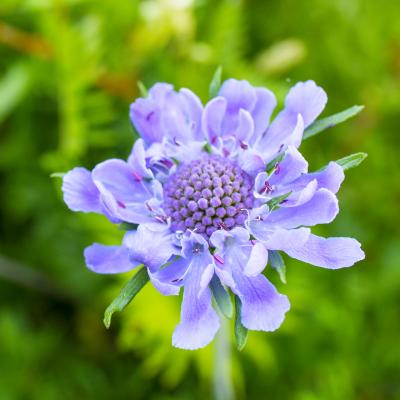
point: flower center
(208, 194)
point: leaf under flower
(126, 295)
(331, 121)
(240, 330)
(278, 264)
(221, 297)
(216, 82)
(352, 161)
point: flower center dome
(208, 194)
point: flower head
(212, 191)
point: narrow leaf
(352, 161)
(273, 203)
(221, 297)
(216, 82)
(271, 165)
(278, 264)
(126, 226)
(142, 89)
(57, 175)
(14, 86)
(332, 120)
(348, 162)
(128, 292)
(240, 330)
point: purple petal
(146, 114)
(199, 322)
(239, 94)
(149, 246)
(321, 209)
(245, 126)
(166, 114)
(194, 110)
(259, 185)
(137, 160)
(212, 118)
(301, 196)
(237, 235)
(257, 261)
(283, 239)
(332, 253)
(285, 130)
(294, 139)
(185, 152)
(329, 178)
(194, 245)
(122, 193)
(307, 99)
(80, 193)
(108, 259)
(263, 308)
(263, 109)
(168, 280)
(251, 161)
(290, 168)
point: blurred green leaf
(128, 292)
(240, 330)
(331, 121)
(142, 89)
(278, 264)
(127, 226)
(13, 87)
(216, 82)
(221, 297)
(57, 175)
(271, 165)
(352, 161)
(273, 203)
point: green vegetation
(68, 71)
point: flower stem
(223, 387)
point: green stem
(223, 387)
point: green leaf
(278, 264)
(13, 87)
(332, 120)
(126, 226)
(57, 175)
(221, 297)
(271, 165)
(216, 82)
(128, 292)
(273, 203)
(348, 162)
(352, 161)
(240, 331)
(142, 89)
(207, 148)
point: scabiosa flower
(209, 193)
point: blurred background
(68, 71)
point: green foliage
(216, 82)
(331, 121)
(274, 203)
(222, 297)
(126, 295)
(352, 161)
(277, 262)
(69, 70)
(241, 332)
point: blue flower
(212, 191)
